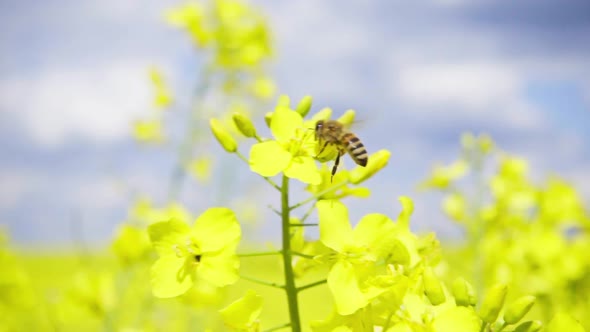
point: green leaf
(216, 228)
(284, 123)
(244, 312)
(269, 158)
(335, 229)
(304, 169)
(166, 235)
(457, 319)
(345, 288)
(170, 277)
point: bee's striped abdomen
(355, 148)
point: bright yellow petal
(170, 277)
(269, 158)
(335, 229)
(215, 229)
(345, 289)
(304, 169)
(284, 123)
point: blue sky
(73, 77)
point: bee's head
(319, 125)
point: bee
(331, 132)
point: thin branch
(274, 210)
(294, 253)
(313, 284)
(262, 282)
(303, 225)
(278, 327)
(317, 196)
(307, 214)
(264, 253)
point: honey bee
(331, 132)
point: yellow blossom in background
(148, 131)
(200, 168)
(162, 94)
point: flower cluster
(533, 237)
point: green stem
(290, 287)
(264, 253)
(483, 327)
(303, 225)
(262, 282)
(313, 284)
(187, 145)
(316, 196)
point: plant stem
(290, 287)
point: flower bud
(376, 162)
(493, 302)
(530, 326)
(347, 118)
(432, 287)
(284, 101)
(517, 309)
(485, 143)
(223, 136)
(304, 106)
(464, 293)
(267, 118)
(244, 124)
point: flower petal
(345, 289)
(244, 312)
(215, 229)
(170, 277)
(456, 319)
(375, 231)
(304, 169)
(269, 158)
(219, 269)
(284, 123)
(335, 229)
(165, 235)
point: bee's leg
(336, 163)
(322, 149)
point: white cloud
(14, 186)
(97, 103)
(471, 85)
